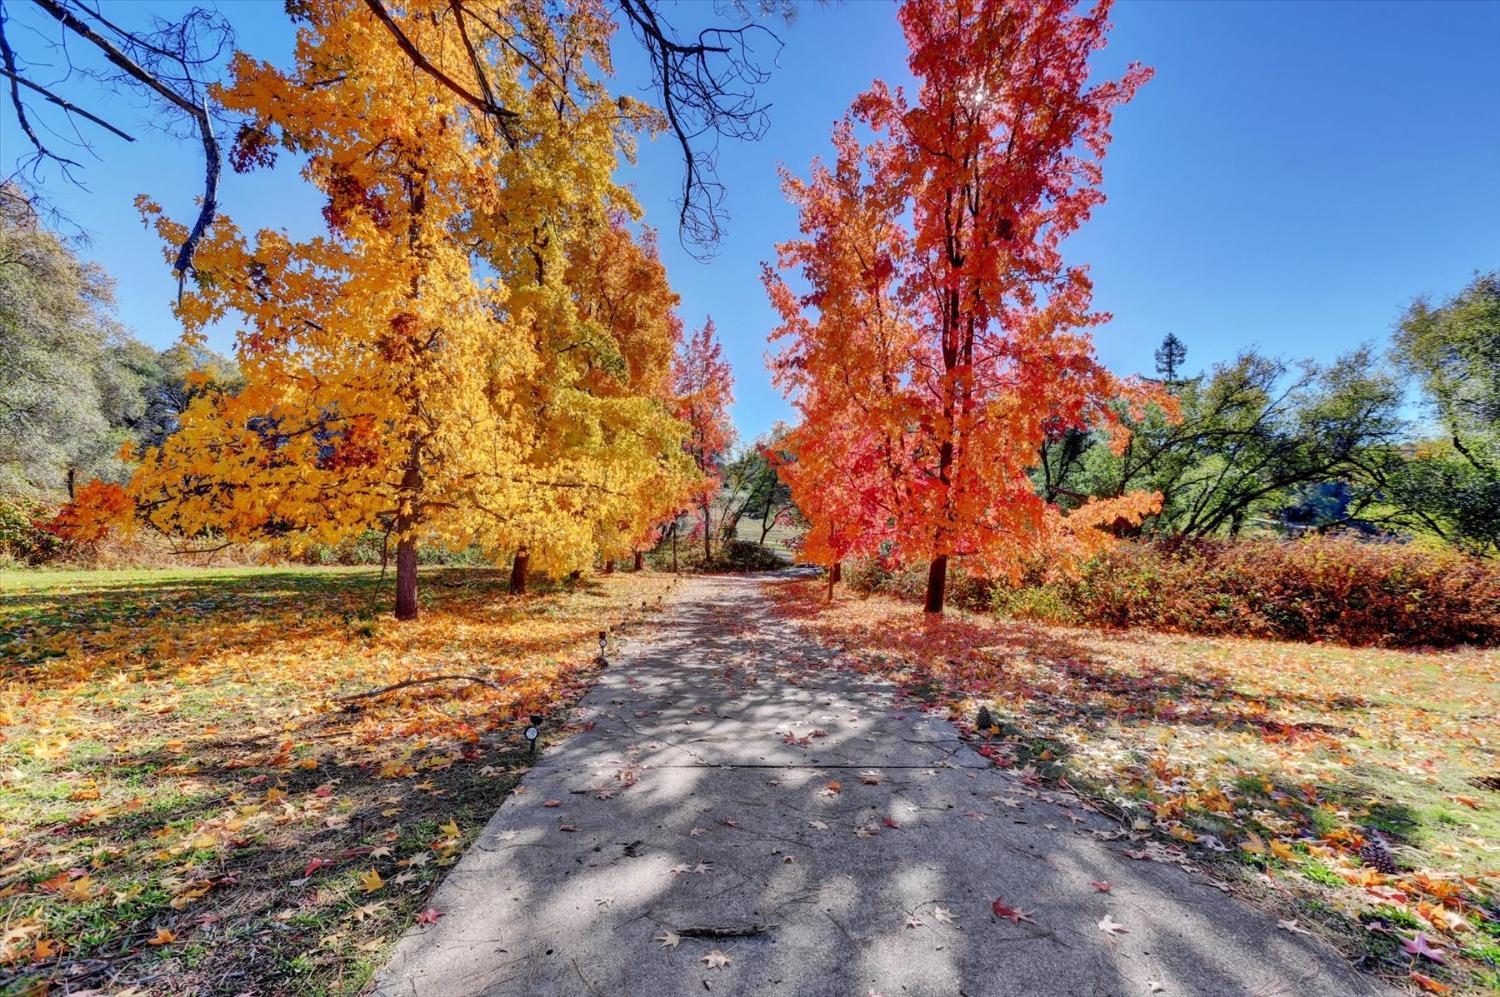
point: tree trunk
(406, 579)
(708, 536)
(937, 584)
(838, 572)
(72, 479)
(518, 573)
(609, 565)
(674, 548)
(640, 561)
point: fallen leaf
(668, 939)
(1102, 885)
(1013, 914)
(370, 881)
(1109, 926)
(162, 937)
(716, 960)
(1419, 946)
(1429, 984)
(429, 916)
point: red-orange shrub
(96, 508)
(1317, 589)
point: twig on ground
(414, 682)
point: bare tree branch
(706, 87)
(67, 105)
(194, 106)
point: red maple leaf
(1014, 914)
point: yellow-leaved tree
(426, 366)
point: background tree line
(75, 385)
(1305, 446)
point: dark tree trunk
(708, 536)
(406, 579)
(937, 584)
(72, 480)
(674, 548)
(609, 565)
(838, 572)
(640, 561)
(518, 573)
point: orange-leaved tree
(704, 388)
(939, 334)
(389, 361)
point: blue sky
(1292, 177)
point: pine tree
(1169, 357)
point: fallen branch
(415, 682)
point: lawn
(188, 807)
(1293, 770)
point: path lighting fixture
(532, 732)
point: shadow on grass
(263, 612)
(223, 772)
(1206, 757)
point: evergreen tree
(1169, 357)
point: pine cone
(984, 720)
(1374, 853)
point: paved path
(684, 809)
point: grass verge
(189, 809)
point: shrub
(733, 555)
(22, 536)
(1316, 589)
(964, 590)
(1320, 588)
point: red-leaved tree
(941, 335)
(704, 386)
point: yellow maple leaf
(1283, 851)
(370, 881)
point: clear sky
(1292, 177)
